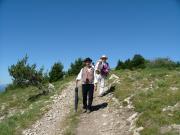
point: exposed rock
(138, 130)
(113, 76)
(173, 127)
(115, 79)
(129, 103)
(173, 88)
(132, 121)
(172, 108)
(132, 117)
(2, 118)
(51, 87)
(104, 115)
(3, 106)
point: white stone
(132, 117)
(113, 76)
(137, 130)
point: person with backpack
(102, 70)
(89, 84)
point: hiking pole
(76, 99)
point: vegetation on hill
(28, 97)
(76, 67)
(154, 85)
(23, 74)
(17, 112)
(139, 62)
(163, 63)
(153, 91)
(56, 72)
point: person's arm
(109, 68)
(97, 67)
(79, 77)
(95, 81)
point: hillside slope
(145, 102)
(52, 121)
(21, 107)
(155, 94)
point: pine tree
(76, 67)
(119, 65)
(127, 64)
(24, 74)
(56, 73)
(138, 61)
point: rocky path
(108, 118)
(51, 122)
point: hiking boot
(89, 111)
(100, 95)
(84, 110)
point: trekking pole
(76, 99)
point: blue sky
(63, 30)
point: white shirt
(79, 77)
(99, 65)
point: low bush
(23, 74)
(162, 63)
(56, 72)
(138, 62)
(76, 67)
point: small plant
(124, 103)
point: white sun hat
(104, 56)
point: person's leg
(90, 96)
(84, 94)
(101, 86)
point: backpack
(105, 69)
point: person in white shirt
(102, 70)
(89, 84)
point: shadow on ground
(99, 106)
(105, 104)
(112, 89)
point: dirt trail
(108, 118)
(51, 122)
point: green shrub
(11, 87)
(162, 63)
(137, 62)
(56, 72)
(24, 74)
(178, 64)
(127, 64)
(119, 65)
(76, 67)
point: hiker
(102, 70)
(89, 84)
